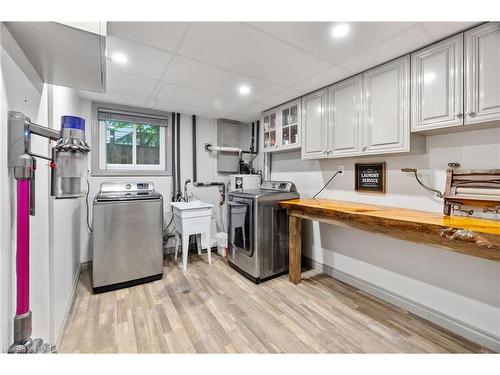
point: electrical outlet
(340, 169)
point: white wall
(55, 228)
(460, 286)
(206, 170)
(22, 90)
(162, 184)
(64, 220)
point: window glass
(286, 117)
(294, 138)
(272, 125)
(131, 143)
(293, 114)
(119, 142)
(148, 144)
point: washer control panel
(282, 186)
(107, 187)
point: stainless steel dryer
(128, 223)
(258, 230)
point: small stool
(192, 226)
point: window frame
(99, 166)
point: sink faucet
(185, 190)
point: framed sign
(370, 177)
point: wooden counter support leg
(294, 249)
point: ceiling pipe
(195, 172)
(178, 153)
(266, 173)
(174, 181)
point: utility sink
(192, 209)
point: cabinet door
(290, 125)
(269, 127)
(314, 125)
(437, 85)
(386, 115)
(482, 66)
(346, 115)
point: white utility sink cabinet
(192, 218)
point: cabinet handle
(459, 115)
(472, 114)
(364, 148)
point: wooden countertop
(467, 235)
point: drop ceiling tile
(328, 77)
(116, 98)
(189, 73)
(316, 38)
(249, 114)
(166, 105)
(129, 84)
(401, 44)
(186, 95)
(142, 60)
(439, 30)
(281, 97)
(244, 118)
(212, 114)
(164, 35)
(244, 49)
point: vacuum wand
(67, 162)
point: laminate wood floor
(213, 309)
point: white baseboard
(448, 322)
(81, 267)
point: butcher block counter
(465, 235)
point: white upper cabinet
(346, 117)
(452, 83)
(437, 85)
(386, 114)
(315, 125)
(281, 127)
(482, 81)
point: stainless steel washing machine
(258, 230)
(127, 241)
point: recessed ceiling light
(340, 30)
(119, 57)
(244, 90)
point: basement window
(130, 143)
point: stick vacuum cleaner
(68, 166)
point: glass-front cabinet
(269, 121)
(281, 127)
(290, 125)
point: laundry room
(204, 185)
